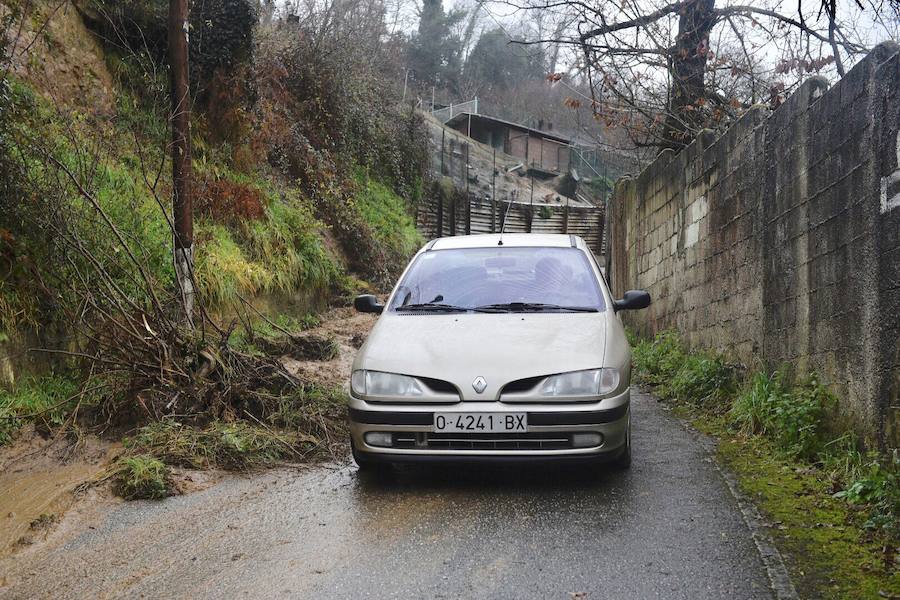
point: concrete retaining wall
(779, 242)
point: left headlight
(375, 383)
(595, 382)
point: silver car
(497, 347)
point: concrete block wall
(779, 241)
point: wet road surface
(668, 528)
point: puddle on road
(35, 483)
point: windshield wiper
(533, 307)
(433, 306)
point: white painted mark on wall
(890, 186)
(890, 192)
(691, 234)
(699, 209)
(696, 211)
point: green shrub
(657, 361)
(142, 477)
(795, 417)
(703, 379)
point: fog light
(378, 438)
(586, 440)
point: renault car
(495, 347)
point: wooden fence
(441, 215)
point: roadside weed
(695, 378)
(142, 477)
(657, 361)
(795, 417)
(878, 487)
(751, 412)
(703, 379)
(801, 419)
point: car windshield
(528, 279)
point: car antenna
(503, 224)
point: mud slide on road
(37, 479)
(38, 476)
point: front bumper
(551, 434)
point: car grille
(483, 441)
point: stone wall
(779, 242)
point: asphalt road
(668, 528)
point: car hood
(499, 347)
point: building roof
(463, 117)
(489, 240)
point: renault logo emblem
(479, 384)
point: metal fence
(445, 114)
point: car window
(495, 277)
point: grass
(386, 213)
(44, 401)
(279, 254)
(235, 445)
(142, 477)
(834, 507)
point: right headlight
(594, 382)
(384, 385)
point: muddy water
(36, 481)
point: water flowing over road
(668, 528)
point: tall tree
(668, 68)
(495, 65)
(434, 53)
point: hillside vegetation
(307, 168)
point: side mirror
(633, 300)
(367, 303)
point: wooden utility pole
(179, 32)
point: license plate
(481, 422)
